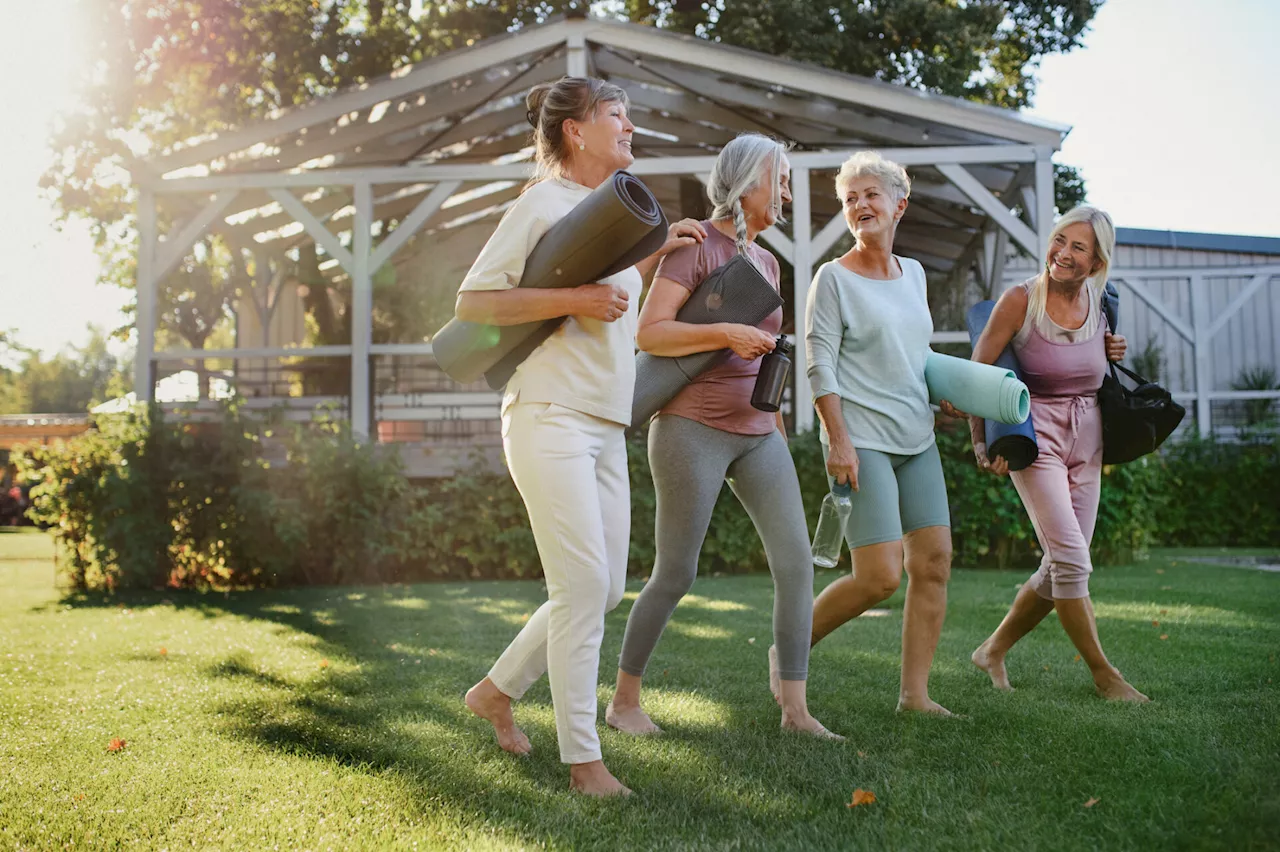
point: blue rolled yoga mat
(982, 389)
(1015, 443)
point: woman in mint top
(867, 338)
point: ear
(571, 129)
(902, 208)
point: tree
(166, 71)
(70, 382)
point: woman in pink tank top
(1055, 325)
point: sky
(1174, 105)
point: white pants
(571, 469)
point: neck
(726, 227)
(1066, 290)
(589, 173)
(875, 255)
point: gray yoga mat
(734, 292)
(619, 224)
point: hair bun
(534, 100)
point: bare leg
(877, 571)
(928, 564)
(592, 779)
(624, 712)
(494, 706)
(1076, 615)
(1028, 610)
(795, 711)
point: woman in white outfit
(563, 416)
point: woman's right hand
(842, 463)
(606, 302)
(749, 342)
(999, 466)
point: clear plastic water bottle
(827, 539)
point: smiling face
(606, 138)
(869, 209)
(758, 203)
(1072, 254)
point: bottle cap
(783, 345)
(842, 489)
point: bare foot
(993, 665)
(592, 779)
(1118, 689)
(775, 680)
(926, 705)
(630, 720)
(806, 724)
(494, 706)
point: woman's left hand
(686, 232)
(950, 410)
(1116, 346)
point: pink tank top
(1051, 368)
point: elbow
(467, 309)
(645, 339)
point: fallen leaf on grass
(751, 641)
(1164, 612)
(1077, 658)
(164, 651)
(1166, 588)
(1159, 570)
(1091, 802)
(862, 754)
(324, 664)
(862, 797)
(1046, 668)
(1155, 623)
(1164, 635)
(116, 744)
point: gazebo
(434, 153)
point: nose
(627, 126)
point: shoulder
(767, 260)
(911, 267)
(1011, 307)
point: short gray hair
(891, 176)
(741, 165)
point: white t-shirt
(588, 365)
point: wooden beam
(171, 251)
(143, 369)
(1237, 303)
(314, 227)
(992, 206)
(410, 224)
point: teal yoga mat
(980, 389)
(1015, 443)
(619, 224)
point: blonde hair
(549, 105)
(1104, 244)
(741, 165)
(891, 176)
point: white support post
(993, 207)
(411, 223)
(830, 233)
(1044, 199)
(146, 285)
(802, 267)
(1200, 322)
(1133, 282)
(361, 310)
(576, 53)
(1238, 302)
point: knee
(933, 566)
(880, 583)
(617, 590)
(672, 582)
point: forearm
(672, 338)
(831, 413)
(516, 306)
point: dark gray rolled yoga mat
(1015, 443)
(619, 224)
(734, 292)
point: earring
(582, 147)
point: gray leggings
(690, 462)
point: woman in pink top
(711, 432)
(1056, 327)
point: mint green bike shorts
(896, 495)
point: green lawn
(332, 718)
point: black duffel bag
(1134, 421)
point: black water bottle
(775, 368)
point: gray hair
(891, 176)
(741, 166)
(549, 105)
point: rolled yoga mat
(619, 224)
(733, 292)
(982, 389)
(1015, 443)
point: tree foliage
(69, 382)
